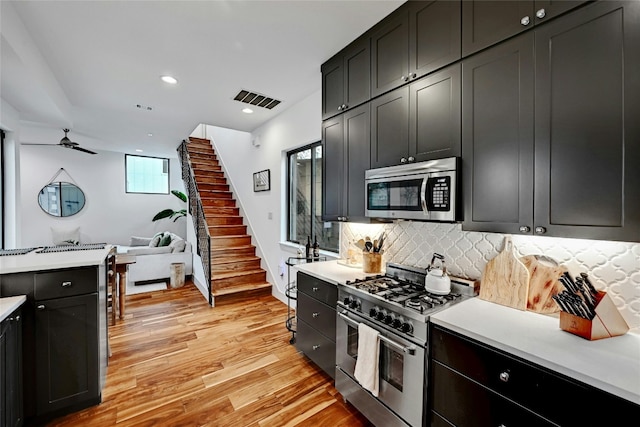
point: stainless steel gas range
(398, 307)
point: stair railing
(197, 214)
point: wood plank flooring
(178, 362)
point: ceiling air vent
(257, 99)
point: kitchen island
(64, 327)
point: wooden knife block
(607, 323)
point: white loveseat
(153, 262)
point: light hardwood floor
(178, 362)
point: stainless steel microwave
(421, 191)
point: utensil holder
(607, 323)
(371, 262)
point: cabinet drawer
(463, 402)
(317, 347)
(318, 289)
(57, 284)
(318, 315)
(527, 384)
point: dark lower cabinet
(345, 157)
(562, 162)
(11, 403)
(64, 339)
(316, 315)
(67, 357)
(472, 384)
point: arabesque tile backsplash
(612, 266)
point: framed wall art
(262, 180)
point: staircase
(235, 268)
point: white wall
(297, 126)
(110, 215)
(9, 122)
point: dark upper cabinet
(417, 122)
(345, 79)
(497, 137)
(416, 39)
(485, 23)
(587, 133)
(587, 100)
(434, 35)
(434, 115)
(390, 128)
(346, 156)
(390, 52)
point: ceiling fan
(67, 143)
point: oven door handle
(411, 350)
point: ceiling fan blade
(84, 150)
(34, 143)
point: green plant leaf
(180, 195)
(167, 213)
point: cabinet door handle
(525, 21)
(66, 284)
(404, 78)
(411, 159)
(541, 13)
(403, 160)
(314, 315)
(314, 289)
(344, 106)
(41, 307)
(540, 230)
(504, 376)
(17, 318)
(413, 75)
(524, 229)
(315, 347)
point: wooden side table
(122, 261)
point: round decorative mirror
(61, 199)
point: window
(146, 174)
(304, 172)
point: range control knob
(354, 304)
(380, 316)
(373, 312)
(347, 300)
(388, 319)
(406, 328)
(397, 323)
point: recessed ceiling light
(247, 110)
(149, 134)
(138, 150)
(169, 79)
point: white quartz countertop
(610, 364)
(9, 304)
(36, 262)
(332, 271)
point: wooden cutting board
(543, 283)
(505, 279)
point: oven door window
(391, 366)
(391, 363)
(352, 341)
(403, 195)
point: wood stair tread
(240, 289)
(230, 274)
(231, 260)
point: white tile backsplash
(612, 266)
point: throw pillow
(140, 241)
(178, 245)
(65, 237)
(165, 241)
(155, 240)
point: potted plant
(170, 213)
